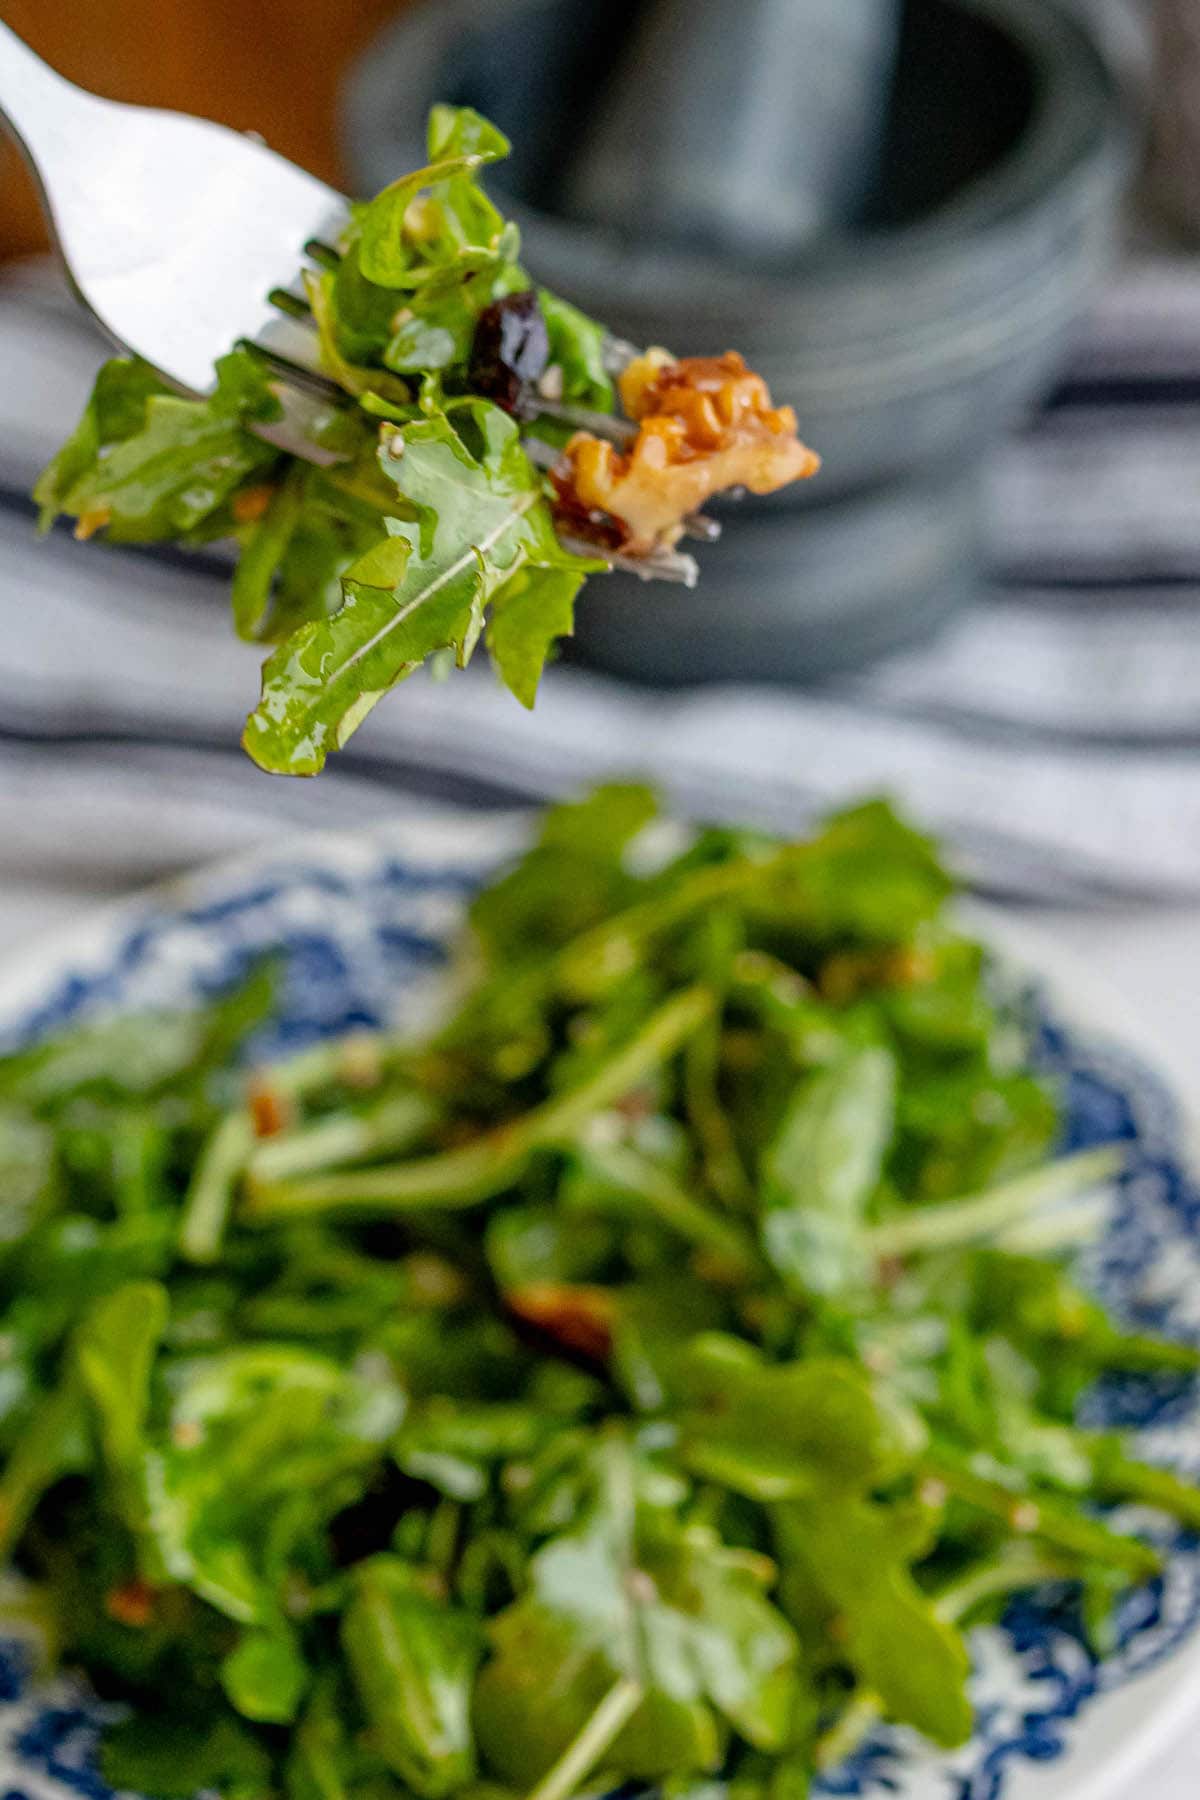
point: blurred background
(962, 237)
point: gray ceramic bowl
(907, 344)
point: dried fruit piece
(511, 349)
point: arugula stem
(391, 1126)
(1135, 1353)
(848, 1730)
(954, 1223)
(209, 1199)
(42, 1453)
(1023, 1508)
(589, 962)
(490, 1164)
(585, 1750)
(1017, 1567)
(723, 1166)
(1119, 1478)
(208, 1202)
(675, 1208)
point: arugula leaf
(868, 878)
(902, 1650)
(316, 524)
(547, 1679)
(264, 550)
(405, 241)
(115, 410)
(169, 473)
(28, 1173)
(413, 1661)
(115, 1350)
(358, 380)
(176, 1759)
(533, 609)
(461, 131)
(713, 1633)
(480, 517)
(770, 1433)
(577, 348)
(265, 1677)
(52, 1444)
(249, 1425)
(822, 1169)
(631, 1592)
(572, 877)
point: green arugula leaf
(263, 551)
(413, 1661)
(868, 878)
(898, 1645)
(822, 1169)
(533, 609)
(480, 518)
(318, 523)
(632, 1592)
(175, 1759)
(52, 1443)
(355, 378)
(577, 348)
(266, 1677)
(115, 410)
(461, 131)
(174, 471)
(28, 1173)
(405, 241)
(572, 877)
(115, 1350)
(773, 1432)
(248, 1426)
(524, 1720)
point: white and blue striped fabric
(1052, 733)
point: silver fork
(182, 238)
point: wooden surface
(272, 66)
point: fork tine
(327, 255)
(660, 565)
(620, 432)
(702, 527)
(292, 304)
(296, 430)
(617, 354)
(298, 373)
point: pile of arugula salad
(451, 484)
(646, 1376)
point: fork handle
(40, 106)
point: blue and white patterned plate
(363, 923)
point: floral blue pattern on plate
(361, 924)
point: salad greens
(427, 527)
(645, 1376)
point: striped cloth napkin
(1052, 733)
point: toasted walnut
(705, 424)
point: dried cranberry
(510, 351)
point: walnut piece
(705, 424)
